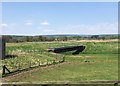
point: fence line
(20, 67)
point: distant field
(99, 61)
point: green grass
(99, 61)
(75, 70)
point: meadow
(99, 61)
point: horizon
(50, 18)
(56, 34)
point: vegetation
(99, 61)
(18, 39)
(28, 55)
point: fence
(2, 47)
(24, 66)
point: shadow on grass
(10, 56)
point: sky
(48, 18)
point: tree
(95, 36)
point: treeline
(17, 39)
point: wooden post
(29, 64)
(38, 63)
(3, 73)
(2, 48)
(18, 66)
(5, 68)
(63, 59)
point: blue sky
(45, 18)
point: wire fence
(7, 69)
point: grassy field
(99, 61)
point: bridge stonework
(68, 48)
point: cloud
(29, 23)
(45, 23)
(4, 25)
(9, 26)
(48, 30)
(13, 24)
(96, 28)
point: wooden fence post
(3, 73)
(38, 63)
(19, 66)
(29, 64)
(63, 58)
(5, 68)
(2, 48)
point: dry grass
(113, 40)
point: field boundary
(9, 72)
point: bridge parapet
(68, 48)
